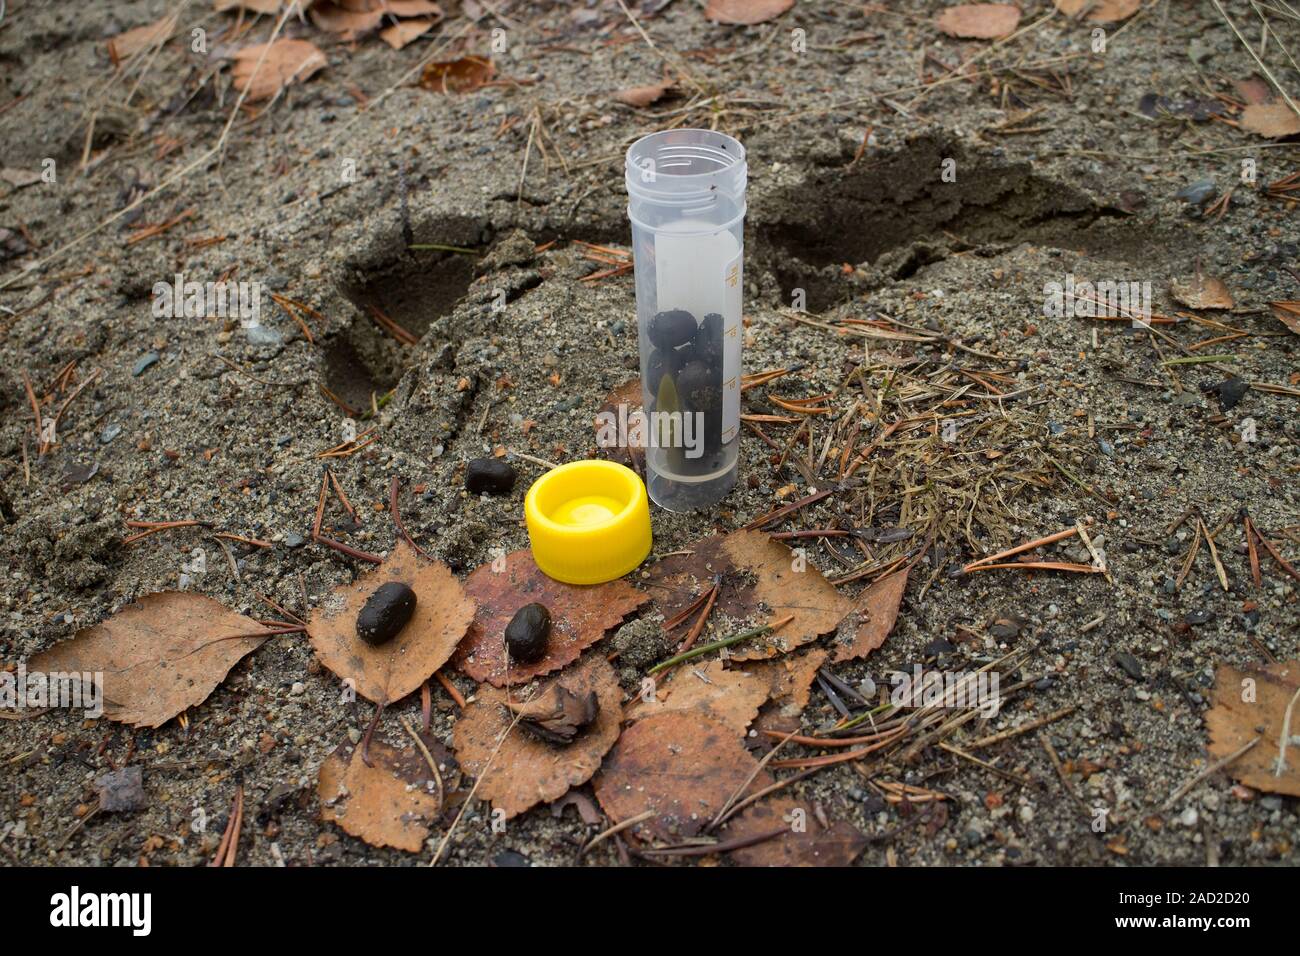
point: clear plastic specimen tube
(686, 201)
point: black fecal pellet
(660, 363)
(700, 387)
(672, 328)
(492, 475)
(708, 340)
(528, 634)
(385, 613)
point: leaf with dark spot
(558, 716)
(389, 671)
(580, 616)
(517, 771)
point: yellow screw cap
(588, 521)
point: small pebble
(1198, 193)
(1130, 665)
(263, 335)
(144, 363)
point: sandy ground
(1059, 171)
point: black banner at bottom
(341, 906)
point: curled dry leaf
(1099, 11)
(400, 34)
(457, 76)
(518, 771)
(558, 715)
(760, 584)
(158, 656)
(1257, 703)
(643, 95)
(682, 765)
(1271, 120)
(285, 62)
(588, 812)
(390, 671)
(1288, 313)
(874, 612)
(746, 11)
(393, 801)
(979, 21)
(1201, 292)
(731, 697)
(580, 616)
(803, 842)
(128, 44)
(347, 24)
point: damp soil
(1058, 171)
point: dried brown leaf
(346, 24)
(457, 76)
(128, 44)
(580, 616)
(789, 679)
(1255, 703)
(979, 21)
(805, 841)
(557, 715)
(1201, 292)
(286, 62)
(1288, 313)
(526, 771)
(1099, 11)
(761, 583)
(1270, 120)
(746, 11)
(400, 34)
(643, 95)
(732, 697)
(390, 803)
(158, 656)
(770, 719)
(1253, 90)
(874, 612)
(684, 766)
(390, 671)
